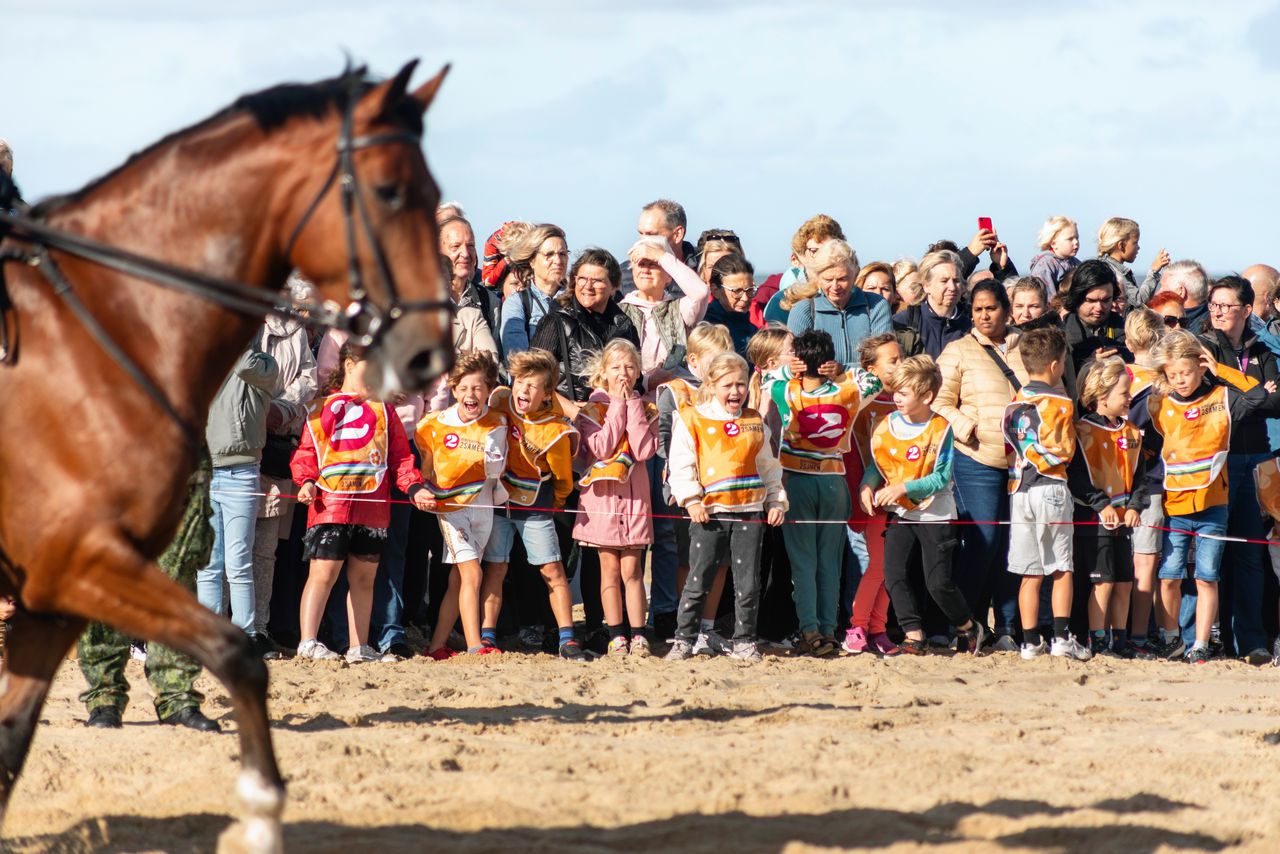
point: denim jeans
(663, 554)
(982, 494)
(235, 514)
(1173, 561)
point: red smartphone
(984, 223)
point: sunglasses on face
(1174, 322)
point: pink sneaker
(883, 645)
(855, 640)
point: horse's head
(390, 218)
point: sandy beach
(528, 753)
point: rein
(366, 322)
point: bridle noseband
(365, 322)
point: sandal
(814, 644)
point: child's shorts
(537, 530)
(337, 542)
(466, 533)
(1177, 540)
(1147, 537)
(1104, 556)
(1037, 546)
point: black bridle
(365, 322)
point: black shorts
(1104, 556)
(336, 542)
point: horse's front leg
(121, 588)
(34, 648)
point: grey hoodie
(237, 428)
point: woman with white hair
(845, 313)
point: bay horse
(108, 378)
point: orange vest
(684, 392)
(817, 435)
(457, 456)
(1111, 456)
(1240, 380)
(727, 457)
(1196, 437)
(907, 458)
(1266, 479)
(529, 439)
(616, 467)
(350, 437)
(1141, 379)
(864, 426)
(1047, 445)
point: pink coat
(616, 515)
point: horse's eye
(391, 195)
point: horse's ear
(426, 93)
(391, 93)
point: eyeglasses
(1223, 307)
(547, 256)
(1174, 322)
(738, 292)
(584, 282)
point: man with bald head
(1263, 277)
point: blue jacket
(863, 316)
(737, 322)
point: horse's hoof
(252, 836)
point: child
(812, 452)
(1107, 476)
(464, 453)
(340, 468)
(1038, 425)
(910, 474)
(770, 351)
(538, 475)
(619, 434)
(1143, 329)
(705, 342)
(879, 354)
(1059, 240)
(1266, 480)
(1192, 411)
(723, 474)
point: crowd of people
(891, 458)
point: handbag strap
(1004, 367)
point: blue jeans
(982, 494)
(386, 618)
(234, 516)
(663, 554)
(1173, 560)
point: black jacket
(573, 334)
(908, 326)
(1249, 435)
(1083, 342)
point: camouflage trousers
(104, 652)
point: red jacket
(764, 293)
(371, 509)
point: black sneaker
(264, 647)
(1199, 655)
(1122, 650)
(571, 650)
(1098, 646)
(1134, 651)
(398, 651)
(1168, 650)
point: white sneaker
(681, 650)
(711, 644)
(362, 653)
(1033, 650)
(746, 651)
(315, 651)
(138, 652)
(1069, 647)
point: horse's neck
(183, 204)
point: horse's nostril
(426, 365)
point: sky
(904, 120)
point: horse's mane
(270, 108)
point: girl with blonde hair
(1118, 245)
(1059, 241)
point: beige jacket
(974, 395)
(471, 332)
